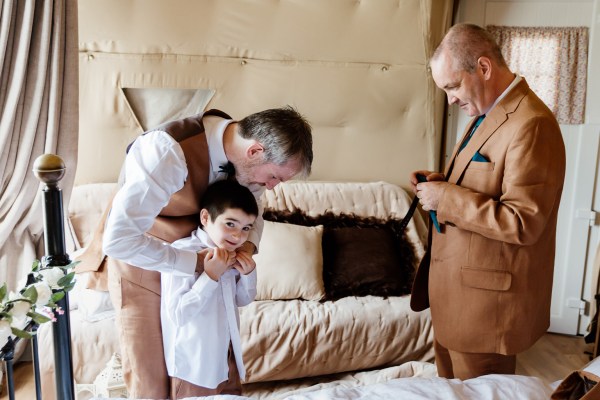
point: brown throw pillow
(361, 262)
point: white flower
(5, 332)
(51, 276)
(20, 309)
(43, 293)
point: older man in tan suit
(487, 275)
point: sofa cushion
(362, 256)
(290, 263)
(362, 262)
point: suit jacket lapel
(488, 127)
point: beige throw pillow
(289, 264)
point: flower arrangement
(37, 301)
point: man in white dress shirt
(165, 174)
(199, 313)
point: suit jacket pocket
(483, 178)
(481, 165)
(488, 279)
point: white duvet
(409, 381)
(490, 387)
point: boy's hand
(245, 264)
(216, 262)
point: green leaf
(31, 293)
(6, 316)
(72, 265)
(66, 280)
(20, 333)
(57, 296)
(69, 286)
(39, 318)
(36, 266)
(3, 292)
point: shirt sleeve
(183, 303)
(155, 168)
(245, 289)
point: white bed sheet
(489, 387)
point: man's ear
(255, 151)
(486, 66)
(204, 216)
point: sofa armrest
(87, 203)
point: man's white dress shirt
(200, 318)
(155, 169)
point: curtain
(38, 114)
(554, 63)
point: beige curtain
(38, 114)
(554, 62)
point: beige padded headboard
(357, 69)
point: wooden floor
(552, 358)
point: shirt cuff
(205, 284)
(186, 263)
(248, 280)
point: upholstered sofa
(334, 274)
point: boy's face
(230, 229)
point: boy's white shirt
(200, 318)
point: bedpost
(50, 169)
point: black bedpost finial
(50, 169)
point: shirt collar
(514, 83)
(215, 129)
(204, 238)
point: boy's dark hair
(226, 194)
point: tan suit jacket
(491, 267)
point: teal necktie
(475, 126)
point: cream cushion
(289, 264)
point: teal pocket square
(478, 157)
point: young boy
(199, 315)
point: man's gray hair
(284, 134)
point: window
(554, 63)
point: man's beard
(243, 172)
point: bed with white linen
(291, 331)
(410, 381)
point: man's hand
(202, 254)
(430, 193)
(245, 263)
(431, 176)
(216, 262)
(200, 260)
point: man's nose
(272, 183)
(452, 100)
